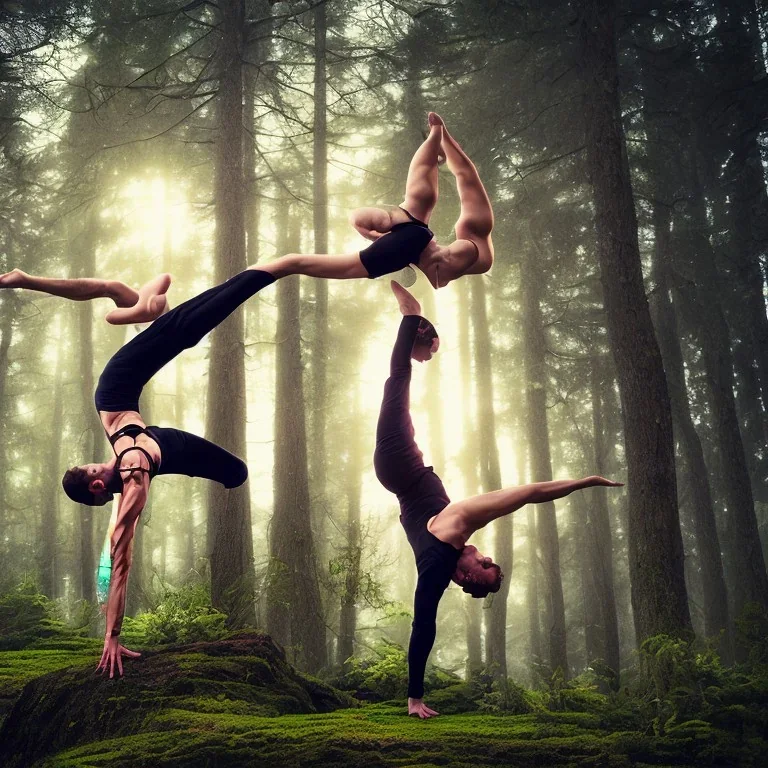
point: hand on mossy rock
(73, 706)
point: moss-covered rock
(247, 674)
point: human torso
(147, 451)
(419, 506)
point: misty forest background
(622, 331)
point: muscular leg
(333, 266)
(421, 186)
(132, 366)
(134, 307)
(476, 211)
(478, 511)
(77, 288)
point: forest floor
(239, 704)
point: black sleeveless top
(133, 430)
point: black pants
(396, 249)
(141, 358)
(183, 327)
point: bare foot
(408, 304)
(151, 304)
(434, 119)
(13, 279)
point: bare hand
(418, 707)
(597, 480)
(113, 656)
(408, 304)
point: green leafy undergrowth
(27, 617)
(181, 615)
(382, 674)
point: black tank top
(133, 430)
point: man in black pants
(141, 452)
(437, 529)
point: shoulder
(449, 525)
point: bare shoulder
(449, 524)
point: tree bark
(354, 475)
(49, 565)
(93, 428)
(715, 607)
(468, 461)
(600, 539)
(318, 460)
(294, 608)
(659, 599)
(490, 478)
(534, 346)
(701, 309)
(230, 542)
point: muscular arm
(132, 502)
(429, 590)
(400, 362)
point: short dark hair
(483, 590)
(426, 332)
(75, 484)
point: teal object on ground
(104, 573)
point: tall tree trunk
(320, 226)
(534, 346)
(354, 475)
(742, 66)
(601, 543)
(433, 401)
(701, 309)
(593, 635)
(49, 554)
(469, 464)
(716, 620)
(659, 598)
(259, 47)
(93, 428)
(230, 542)
(490, 478)
(294, 609)
(7, 303)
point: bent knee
(238, 475)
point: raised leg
(478, 511)
(421, 184)
(344, 266)
(476, 211)
(76, 288)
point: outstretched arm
(132, 503)
(429, 590)
(459, 520)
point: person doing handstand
(142, 452)
(437, 529)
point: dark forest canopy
(622, 330)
